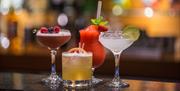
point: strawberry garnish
(44, 30)
(56, 29)
(102, 28)
(100, 23)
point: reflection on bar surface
(31, 82)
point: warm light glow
(5, 42)
(4, 6)
(62, 19)
(148, 12)
(17, 4)
(117, 10)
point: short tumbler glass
(76, 69)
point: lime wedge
(131, 32)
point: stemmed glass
(53, 41)
(116, 42)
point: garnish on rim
(131, 32)
(79, 49)
(101, 23)
(55, 29)
(44, 30)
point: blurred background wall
(158, 20)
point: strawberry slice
(56, 29)
(102, 28)
(44, 30)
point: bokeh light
(117, 10)
(4, 42)
(4, 6)
(148, 12)
(62, 19)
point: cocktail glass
(76, 69)
(116, 42)
(90, 39)
(53, 41)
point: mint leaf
(94, 21)
(99, 21)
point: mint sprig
(99, 21)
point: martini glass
(116, 42)
(53, 41)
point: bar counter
(18, 81)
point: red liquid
(92, 44)
(53, 41)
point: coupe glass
(53, 41)
(116, 42)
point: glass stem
(53, 59)
(116, 74)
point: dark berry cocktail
(53, 38)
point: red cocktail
(90, 38)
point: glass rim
(113, 31)
(121, 36)
(68, 33)
(77, 54)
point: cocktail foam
(63, 32)
(86, 54)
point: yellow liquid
(76, 67)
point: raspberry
(44, 30)
(56, 29)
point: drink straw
(99, 9)
(79, 44)
(82, 46)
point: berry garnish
(50, 30)
(44, 30)
(100, 23)
(102, 28)
(57, 29)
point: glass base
(96, 80)
(79, 84)
(53, 81)
(119, 84)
